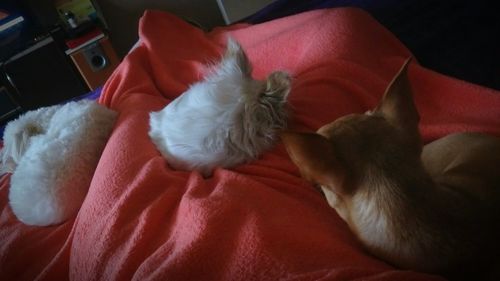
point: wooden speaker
(96, 62)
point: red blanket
(259, 221)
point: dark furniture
(42, 75)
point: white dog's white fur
(52, 153)
(226, 119)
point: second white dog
(52, 153)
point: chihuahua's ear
(397, 104)
(314, 156)
(235, 58)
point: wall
(234, 10)
(122, 16)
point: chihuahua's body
(433, 209)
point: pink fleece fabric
(141, 220)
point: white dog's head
(261, 110)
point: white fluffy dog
(226, 119)
(52, 153)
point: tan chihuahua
(434, 209)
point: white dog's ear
(278, 86)
(235, 58)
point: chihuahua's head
(343, 155)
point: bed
(141, 220)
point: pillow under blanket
(52, 153)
